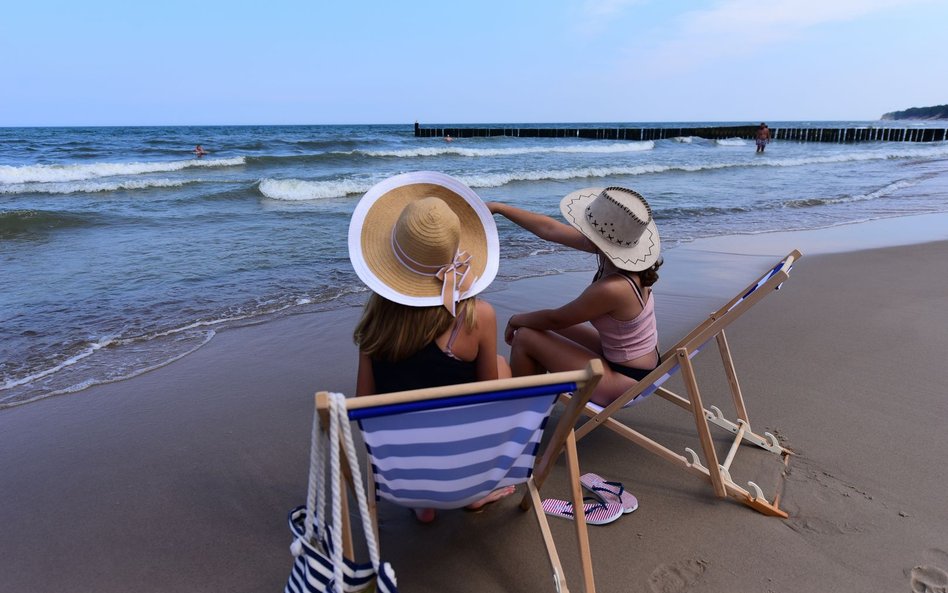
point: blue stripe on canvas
(452, 473)
(459, 447)
(461, 400)
(451, 418)
(517, 475)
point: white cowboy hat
(423, 239)
(618, 221)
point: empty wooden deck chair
(450, 446)
(679, 357)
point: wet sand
(180, 479)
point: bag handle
(315, 495)
(339, 404)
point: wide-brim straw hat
(618, 221)
(399, 240)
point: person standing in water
(763, 136)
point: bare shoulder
(484, 311)
(613, 286)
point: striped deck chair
(679, 357)
(447, 447)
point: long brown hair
(647, 277)
(393, 332)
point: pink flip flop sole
(609, 491)
(597, 513)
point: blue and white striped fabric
(313, 569)
(450, 457)
(763, 279)
(651, 388)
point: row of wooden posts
(838, 135)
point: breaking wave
(299, 189)
(91, 186)
(874, 195)
(64, 173)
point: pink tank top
(624, 340)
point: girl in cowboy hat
(425, 244)
(616, 224)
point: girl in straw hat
(426, 245)
(616, 224)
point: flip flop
(597, 512)
(609, 491)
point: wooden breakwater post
(802, 134)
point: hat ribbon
(455, 277)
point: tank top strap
(454, 334)
(635, 287)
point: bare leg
(503, 369)
(534, 352)
(424, 515)
(585, 335)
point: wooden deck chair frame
(680, 357)
(562, 440)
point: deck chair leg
(347, 549)
(346, 484)
(701, 424)
(370, 495)
(732, 377)
(559, 578)
(582, 532)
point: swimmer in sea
(763, 137)
(199, 150)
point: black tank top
(429, 367)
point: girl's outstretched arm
(543, 226)
(598, 299)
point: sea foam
(81, 172)
(72, 187)
(299, 189)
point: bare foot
(424, 515)
(492, 497)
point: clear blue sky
(110, 62)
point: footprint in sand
(677, 577)
(927, 578)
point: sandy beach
(180, 479)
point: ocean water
(120, 251)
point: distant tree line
(936, 112)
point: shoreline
(181, 478)
(696, 255)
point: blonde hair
(391, 331)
